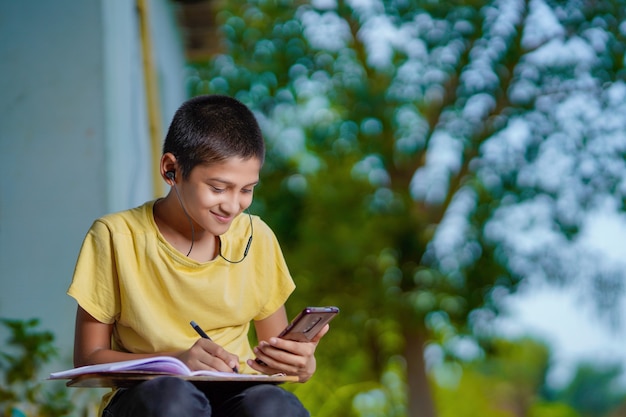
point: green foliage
(505, 383)
(473, 397)
(595, 390)
(21, 358)
(510, 380)
(551, 409)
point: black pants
(175, 397)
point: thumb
(321, 334)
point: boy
(144, 274)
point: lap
(263, 400)
(168, 396)
(164, 396)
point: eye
(217, 189)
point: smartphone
(308, 323)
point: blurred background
(452, 175)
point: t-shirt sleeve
(94, 284)
(277, 284)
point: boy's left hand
(287, 356)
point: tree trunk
(421, 402)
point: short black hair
(209, 129)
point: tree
(594, 391)
(507, 382)
(425, 157)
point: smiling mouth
(222, 219)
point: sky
(565, 318)
(570, 327)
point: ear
(168, 164)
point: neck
(169, 215)
(176, 229)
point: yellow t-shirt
(129, 275)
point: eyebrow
(226, 182)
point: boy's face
(214, 195)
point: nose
(233, 204)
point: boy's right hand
(207, 355)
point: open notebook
(112, 374)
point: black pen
(203, 335)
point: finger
(257, 365)
(231, 360)
(282, 359)
(218, 358)
(290, 347)
(262, 367)
(265, 358)
(261, 356)
(213, 363)
(321, 333)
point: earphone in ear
(171, 175)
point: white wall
(73, 139)
(128, 162)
